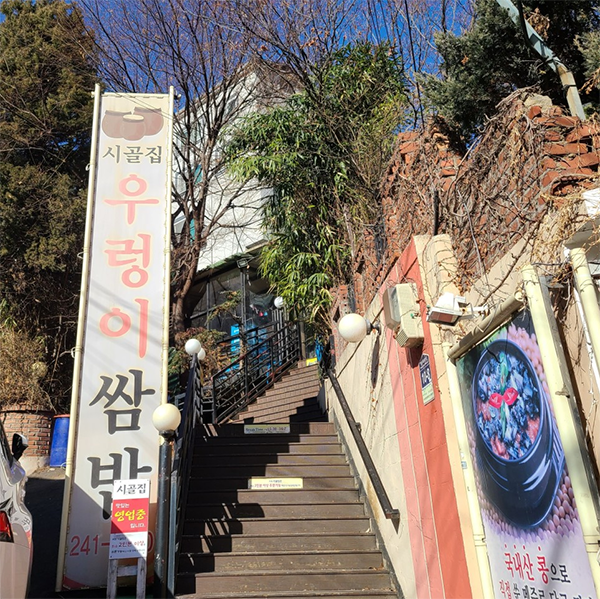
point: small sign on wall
(129, 520)
(426, 379)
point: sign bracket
(115, 571)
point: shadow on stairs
(273, 511)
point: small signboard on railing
(266, 429)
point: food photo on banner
(533, 534)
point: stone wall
(530, 160)
(37, 427)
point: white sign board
(274, 484)
(125, 324)
(266, 429)
(130, 519)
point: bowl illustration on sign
(514, 434)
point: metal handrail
(182, 465)
(386, 505)
(245, 379)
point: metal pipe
(566, 412)
(390, 512)
(536, 43)
(167, 255)
(589, 298)
(162, 517)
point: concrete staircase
(291, 399)
(306, 535)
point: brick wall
(36, 426)
(529, 160)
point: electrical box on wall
(402, 314)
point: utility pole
(537, 43)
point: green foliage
(324, 152)
(589, 45)
(46, 77)
(22, 365)
(228, 307)
(487, 63)
(217, 356)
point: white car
(16, 547)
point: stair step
(297, 382)
(273, 470)
(290, 542)
(253, 510)
(241, 449)
(270, 526)
(285, 560)
(257, 440)
(300, 391)
(297, 429)
(289, 402)
(258, 410)
(270, 458)
(308, 483)
(314, 416)
(300, 580)
(300, 496)
(301, 373)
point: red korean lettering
(115, 313)
(543, 568)
(125, 324)
(132, 187)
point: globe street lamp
(166, 419)
(354, 327)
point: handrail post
(302, 339)
(271, 366)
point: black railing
(266, 358)
(327, 365)
(189, 405)
(272, 353)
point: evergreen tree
(489, 61)
(46, 76)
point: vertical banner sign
(121, 380)
(533, 534)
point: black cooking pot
(522, 488)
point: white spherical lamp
(193, 347)
(202, 354)
(166, 418)
(278, 302)
(353, 328)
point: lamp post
(166, 419)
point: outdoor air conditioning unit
(402, 314)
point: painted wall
(409, 445)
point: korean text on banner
(122, 370)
